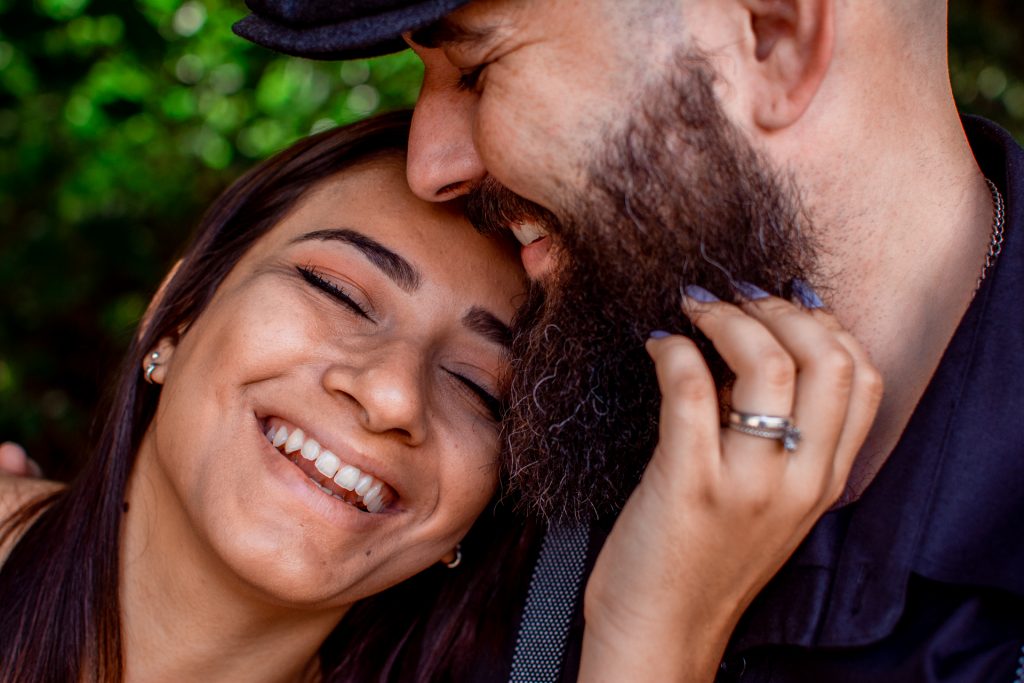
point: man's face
(644, 186)
(673, 196)
(521, 90)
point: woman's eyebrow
(486, 324)
(403, 273)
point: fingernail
(751, 292)
(660, 334)
(698, 293)
(806, 295)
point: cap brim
(359, 38)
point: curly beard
(677, 196)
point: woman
(317, 300)
(305, 425)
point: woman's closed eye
(332, 289)
(494, 405)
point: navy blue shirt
(921, 579)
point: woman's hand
(14, 462)
(718, 511)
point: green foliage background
(121, 119)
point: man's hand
(718, 511)
(14, 461)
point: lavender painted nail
(660, 334)
(751, 292)
(698, 293)
(806, 295)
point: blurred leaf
(120, 121)
(62, 9)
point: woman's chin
(277, 564)
(288, 539)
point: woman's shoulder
(15, 493)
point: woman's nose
(388, 388)
(443, 162)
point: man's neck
(904, 222)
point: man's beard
(676, 197)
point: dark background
(119, 122)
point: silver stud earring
(458, 557)
(151, 366)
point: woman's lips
(328, 471)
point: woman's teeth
(327, 464)
(346, 482)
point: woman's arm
(718, 512)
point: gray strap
(550, 604)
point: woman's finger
(865, 398)
(825, 371)
(14, 461)
(765, 371)
(688, 424)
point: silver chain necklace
(995, 242)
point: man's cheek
(507, 143)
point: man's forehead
(449, 30)
(478, 22)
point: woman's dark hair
(60, 615)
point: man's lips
(537, 259)
(536, 250)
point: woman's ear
(792, 50)
(154, 303)
(154, 365)
(452, 558)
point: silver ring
(766, 427)
(149, 372)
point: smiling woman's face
(364, 334)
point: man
(848, 104)
(654, 129)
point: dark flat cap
(338, 29)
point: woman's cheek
(263, 332)
(472, 466)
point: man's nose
(388, 387)
(443, 162)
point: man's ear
(793, 44)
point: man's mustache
(492, 208)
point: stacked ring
(766, 427)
